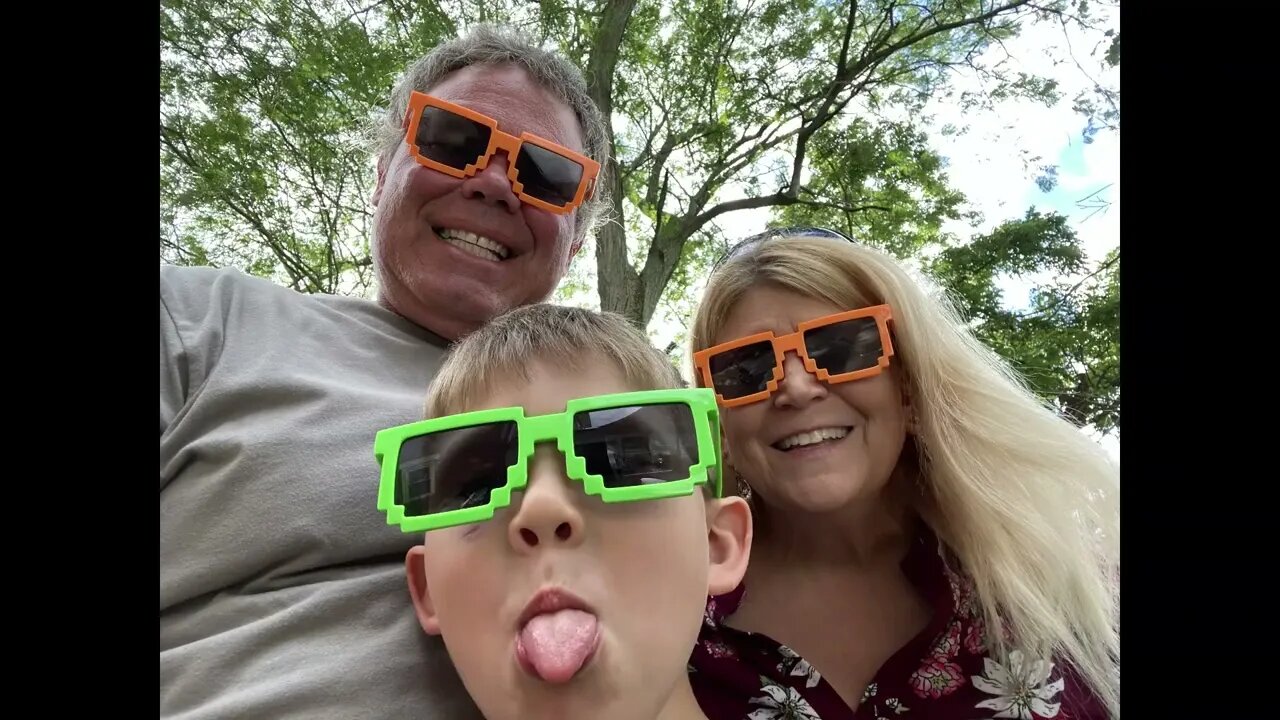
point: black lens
(743, 371)
(637, 445)
(451, 139)
(548, 176)
(846, 346)
(454, 469)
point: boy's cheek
(444, 537)
(468, 562)
(469, 532)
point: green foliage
(809, 109)
(262, 118)
(1067, 343)
(1113, 51)
(877, 182)
(802, 107)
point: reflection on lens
(548, 176)
(743, 371)
(454, 469)
(846, 346)
(450, 139)
(638, 445)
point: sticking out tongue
(557, 644)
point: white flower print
(1020, 689)
(795, 665)
(896, 706)
(869, 693)
(781, 703)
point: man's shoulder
(199, 293)
(203, 281)
(225, 302)
(226, 307)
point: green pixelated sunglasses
(459, 469)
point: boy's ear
(415, 569)
(728, 542)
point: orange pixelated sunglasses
(459, 141)
(836, 348)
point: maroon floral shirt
(943, 673)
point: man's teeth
(477, 245)
(812, 437)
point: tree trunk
(617, 283)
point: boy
(579, 594)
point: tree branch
(778, 198)
(842, 206)
(363, 10)
(913, 38)
(293, 265)
(1063, 297)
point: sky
(987, 161)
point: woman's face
(811, 447)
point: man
(281, 589)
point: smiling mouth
(473, 244)
(810, 438)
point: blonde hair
(1028, 503)
(569, 337)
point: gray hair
(491, 45)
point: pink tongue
(556, 644)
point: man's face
(637, 572)
(453, 286)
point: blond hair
(568, 337)
(486, 44)
(1028, 503)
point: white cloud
(996, 160)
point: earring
(744, 488)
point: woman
(931, 540)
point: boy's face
(634, 576)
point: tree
(728, 94)
(810, 108)
(263, 106)
(1067, 344)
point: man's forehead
(510, 95)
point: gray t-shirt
(282, 588)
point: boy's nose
(549, 513)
